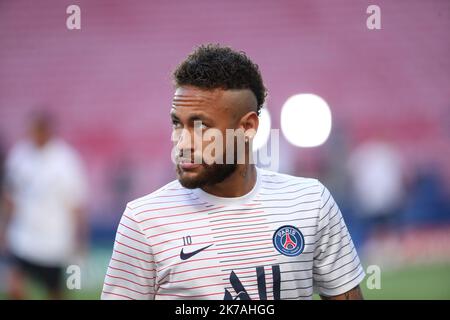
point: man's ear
(250, 123)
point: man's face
(40, 132)
(215, 110)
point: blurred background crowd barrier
(108, 86)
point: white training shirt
(228, 244)
(46, 185)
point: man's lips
(187, 164)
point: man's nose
(184, 140)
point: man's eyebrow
(192, 117)
(199, 116)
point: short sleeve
(131, 272)
(337, 268)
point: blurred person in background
(44, 225)
(376, 177)
(428, 203)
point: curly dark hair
(212, 66)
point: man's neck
(238, 184)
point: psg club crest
(289, 241)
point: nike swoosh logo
(185, 256)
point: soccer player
(229, 230)
(45, 225)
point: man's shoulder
(171, 189)
(62, 148)
(20, 148)
(283, 179)
(18, 153)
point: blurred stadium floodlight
(306, 120)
